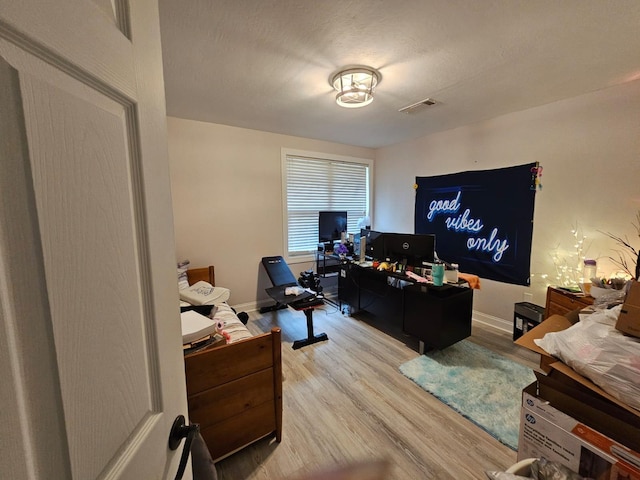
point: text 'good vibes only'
(465, 223)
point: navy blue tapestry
(483, 220)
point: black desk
(437, 316)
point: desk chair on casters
(281, 277)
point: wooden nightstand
(560, 302)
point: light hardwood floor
(345, 400)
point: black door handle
(181, 430)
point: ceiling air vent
(427, 102)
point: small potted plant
(342, 250)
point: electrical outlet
(527, 297)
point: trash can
(526, 315)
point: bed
(234, 391)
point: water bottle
(437, 273)
(589, 272)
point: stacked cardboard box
(629, 319)
(567, 418)
(546, 430)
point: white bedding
(232, 324)
(196, 326)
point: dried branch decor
(628, 254)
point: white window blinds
(314, 185)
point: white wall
(589, 147)
(227, 187)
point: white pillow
(203, 293)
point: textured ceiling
(266, 64)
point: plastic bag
(596, 350)
(541, 469)
(544, 470)
(505, 476)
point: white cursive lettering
(489, 245)
(463, 223)
(444, 206)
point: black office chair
(281, 277)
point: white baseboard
(252, 306)
(492, 321)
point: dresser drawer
(231, 399)
(560, 302)
(233, 433)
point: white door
(90, 347)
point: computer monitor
(362, 252)
(374, 244)
(411, 249)
(331, 225)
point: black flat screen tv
(331, 225)
(411, 249)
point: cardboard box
(629, 318)
(582, 404)
(547, 432)
(557, 369)
(555, 323)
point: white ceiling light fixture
(355, 86)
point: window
(315, 182)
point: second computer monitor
(374, 243)
(331, 225)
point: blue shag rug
(479, 384)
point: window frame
(287, 152)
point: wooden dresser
(560, 301)
(234, 392)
